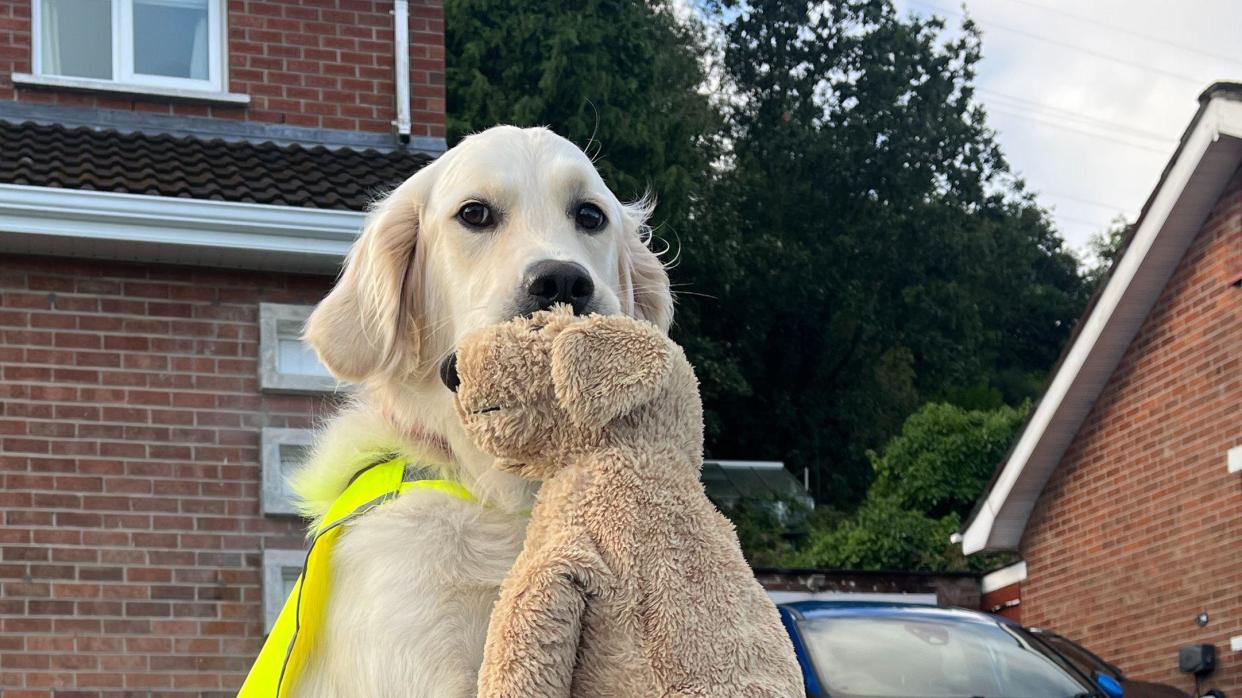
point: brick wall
(129, 426)
(1006, 601)
(1140, 527)
(305, 63)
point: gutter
(401, 66)
(141, 228)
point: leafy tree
(883, 536)
(926, 481)
(1105, 248)
(620, 78)
(763, 533)
(943, 457)
(851, 241)
(863, 248)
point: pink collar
(435, 442)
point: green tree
(620, 78)
(926, 481)
(864, 248)
(1104, 248)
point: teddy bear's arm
(532, 641)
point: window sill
(89, 85)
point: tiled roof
(50, 155)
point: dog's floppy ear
(603, 367)
(644, 281)
(356, 328)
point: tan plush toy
(631, 583)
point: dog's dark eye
(589, 217)
(476, 215)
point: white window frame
(275, 563)
(271, 379)
(274, 502)
(123, 74)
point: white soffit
(1210, 154)
(1005, 576)
(135, 227)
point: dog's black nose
(550, 282)
(448, 373)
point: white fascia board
(109, 225)
(1005, 576)
(1175, 215)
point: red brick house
(179, 180)
(1123, 495)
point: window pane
(170, 38)
(288, 578)
(75, 38)
(295, 357)
(292, 457)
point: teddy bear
(631, 583)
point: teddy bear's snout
(448, 373)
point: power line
(1081, 221)
(1074, 116)
(1123, 30)
(1089, 202)
(1068, 45)
(1067, 127)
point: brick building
(1123, 495)
(179, 181)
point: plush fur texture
(415, 580)
(630, 583)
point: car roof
(887, 609)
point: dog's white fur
(414, 580)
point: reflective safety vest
(285, 652)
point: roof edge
(1170, 219)
(207, 128)
(137, 227)
(1221, 89)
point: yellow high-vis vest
(284, 653)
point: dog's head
(535, 391)
(509, 222)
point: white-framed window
(280, 572)
(1233, 459)
(286, 363)
(283, 451)
(165, 44)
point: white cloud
(1061, 111)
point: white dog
(508, 222)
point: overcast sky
(1089, 98)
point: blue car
(891, 650)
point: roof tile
(51, 155)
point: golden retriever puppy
(509, 222)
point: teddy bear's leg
(532, 641)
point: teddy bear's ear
(604, 367)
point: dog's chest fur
(413, 586)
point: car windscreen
(1079, 656)
(899, 657)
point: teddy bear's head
(538, 390)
